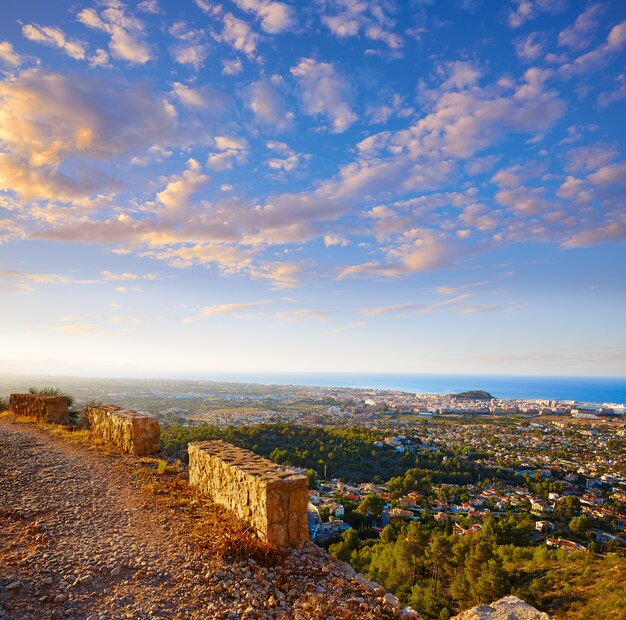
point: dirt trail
(78, 541)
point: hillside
(89, 534)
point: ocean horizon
(596, 390)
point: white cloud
(46, 118)
(225, 309)
(111, 276)
(51, 35)
(530, 48)
(267, 104)
(392, 309)
(527, 10)
(275, 17)
(286, 159)
(580, 34)
(351, 17)
(600, 56)
(192, 47)
(150, 6)
(325, 93)
(232, 67)
(128, 37)
(238, 34)
(396, 107)
(202, 100)
(8, 56)
(230, 150)
(179, 189)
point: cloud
(127, 289)
(275, 17)
(225, 309)
(150, 6)
(590, 157)
(617, 94)
(128, 37)
(192, 47)
(47, 118)
(325, 93)
(111, 276)
(393, 309)
(201, 100)
(335, 240)
(179, 189)
(286, 159)
(230, 150)
(296, 316)
(238, 34)
(350, 18)
(418, 250)
(600, 56)
(446, 303)
(349, 327)
(267, 104)
(527, 10)
(580, 34)
(8, 56)
(232, 67)
(10, 230)
(396, 107)
(55, 37)
(45, 278)
(530, 48)
(455, 290)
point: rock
(116, 571)
(391, 601)
(507, 608)
(59, 598)
(13, 585)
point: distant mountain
(473, 395)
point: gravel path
(78, 541)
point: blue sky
(336, 185)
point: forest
(348, 454)
(440, 573)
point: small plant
(161, 466)
(4, 404)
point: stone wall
(47, 408)
(260, 493)
(133, 432)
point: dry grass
(208, 526)
(166, 485)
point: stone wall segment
(267, 497)
(46, 408)
(133, 432)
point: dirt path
(78, 541)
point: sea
(592, 390)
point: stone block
(267, 497)
(133, 432)
(46, 408)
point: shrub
(4, 404)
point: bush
(4, 404)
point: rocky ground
(79, 539)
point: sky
(334, 185)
